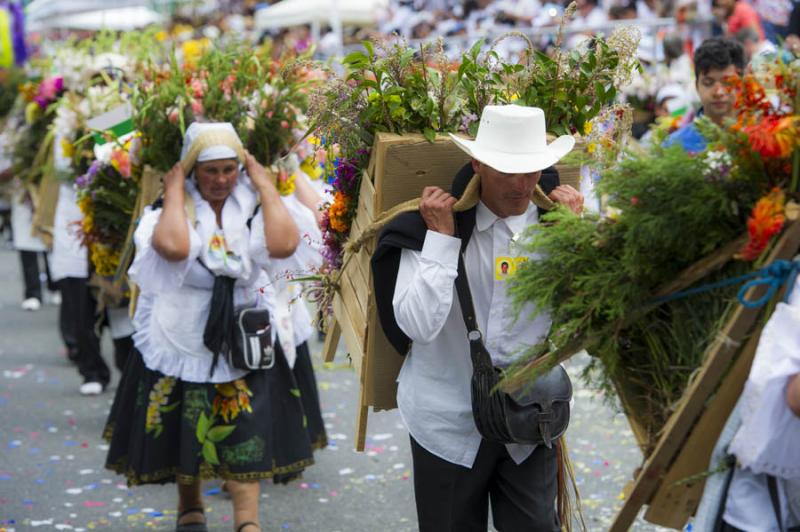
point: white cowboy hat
(513, 139)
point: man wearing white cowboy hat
(456, 471)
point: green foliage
(597, 277)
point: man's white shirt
(434, 383)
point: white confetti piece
(394, 448)
(106, 481)
(346, 471)
(398, 466)
(117, 499)
(70, 457)
(103, 446)
(115, 514)
(86, 471)
(337, 436)
(323, 500)
(46, 522)
(147, 510)
(62, 526)
(69, 413)
(52, 429)
(68, 505)
(74, 491)
(382, 437)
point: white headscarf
(210, 142)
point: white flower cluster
(717, 164)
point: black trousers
(30, 273)
(79, 329)
(452, 498)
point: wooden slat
(351, 339)
(358, 291)
(351, 306)
(384, 366)
(366, 194)
(682, 421)
(331, 340)
(674, 502)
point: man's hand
(568, 196)
(259, 175)
(436, 208)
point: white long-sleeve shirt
(434, 383)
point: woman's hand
(175, 180)
(260, 176)
(171, 234)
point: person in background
(736, 15)
(755, 49)
(716, 60)
(774, 17)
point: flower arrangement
(107, 194)
(31, 147)
(263, 100)
(392, 87)
(603, 279)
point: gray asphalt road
(51, 453)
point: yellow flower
(587, 128)
(32, 112)
(591, 147)
(67, 148)
(286, 184)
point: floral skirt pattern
(161, 429)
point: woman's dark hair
(718, 53)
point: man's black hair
(718, 53)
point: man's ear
(476, 166)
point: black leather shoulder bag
(537, 414)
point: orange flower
(337, 212)
(231, 399)
(774, 136)
(765, 221)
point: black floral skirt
(309, 395)
(161, 429)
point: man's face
(505, 194)
(715, 95)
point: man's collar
(484, 218)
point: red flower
(765, 221)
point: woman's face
(216, 179)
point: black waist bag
(536, 414)
(243, 337)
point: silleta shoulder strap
(480, 356)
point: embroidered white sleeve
(423, 293)
(150, 271)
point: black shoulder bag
(537, 414)
(243, 337)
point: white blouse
(175, 297)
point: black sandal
(191, 527)
(247, 523)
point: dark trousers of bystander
(30, 273)
(453, 498)
(79, 329)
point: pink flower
(321, 156)
(197, 107)
(284, 124)
(197, 88)
(634, 200)
(173, 116)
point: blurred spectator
(753, 46)
(716, 60)
(774, 17)
(736, 15)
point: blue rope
(773, 276)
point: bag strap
(772, 486)
(480, 356)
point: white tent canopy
(120, 18)
(289, 13)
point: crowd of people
(205, 393)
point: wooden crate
(399, 168)
(684, 449)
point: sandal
(191, 527)
(247, 523)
